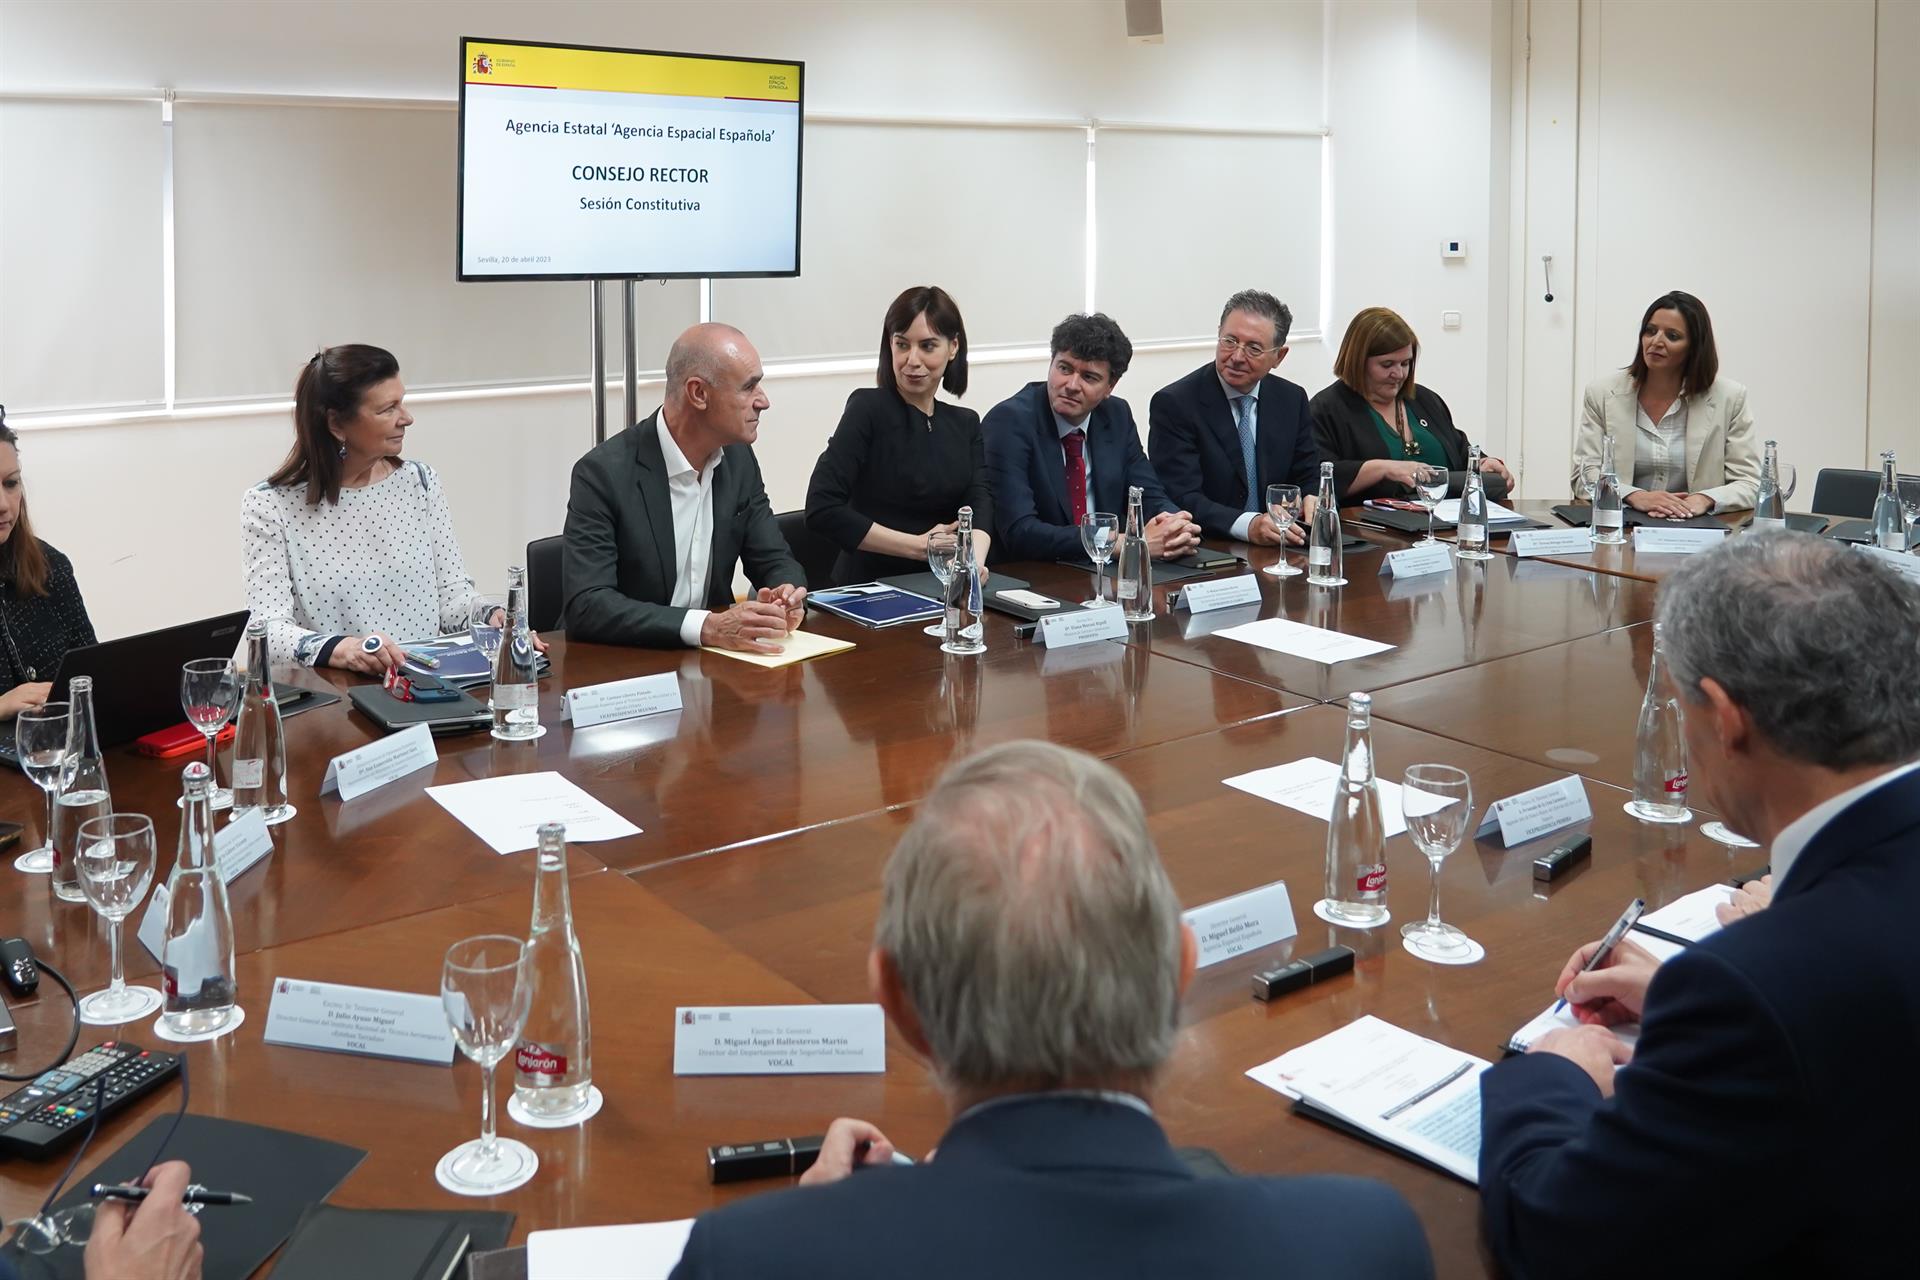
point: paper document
(1448, 509)
(1309, 785)
(636, 1251)
(1316, 644)
(795, 646)
(505, 812)
(1407, 1091)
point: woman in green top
(1378, 427)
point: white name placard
(1675, 542)
(1550, 542)
(621, 700)
(1064, 630)
(1221, 593)
(779, 1040)
(361, 1020)
(356, 772)
(1416, 561)
(1532, 814)
(239, 846)
(1898, 561)
(153, 925)
(1242, 923)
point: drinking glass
(209, 694)
(1283, 507)
(1436, 833)
(1910, 509)
(942, 550)
(1097, 532)
(486, 618)
(40, 736)
(1586, 482)
(1787, 477)
(115, 857)
(1429, 488)
(486, 993)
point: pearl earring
(343, 452)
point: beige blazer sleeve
(1586, 435)
(1723, 459)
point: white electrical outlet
(1453, 248)
(1449, 319)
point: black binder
(1582, 515)
(388, 1244)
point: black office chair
(544, 602)
(1842, 491)
(815, 553)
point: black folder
(393, 714)
(331, 1243)
(1582, 515)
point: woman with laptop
(1380, 428)
(901, 463)
(346, 544)
(41, 612)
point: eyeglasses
(1252, 350)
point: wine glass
(1429, 487)
(40, 737)
(486, 618)
(209, 694)
(1586, 482)
(486, 993)
(1283, 507)
(1097, 532)
(115, 857)
(943, 548)
(1910, 509)
(1436, 832)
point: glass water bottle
(966, 630)
(553, 1063)
(1769, 504)
(516, 668)
(1136, 561)
(259, 738)
(1660, 750)
(1471, 539)
(196, 955)
(1609, 514)
(1356, 834)
(1324, 561)
(1889, 524)
(83, 793)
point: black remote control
(38, 1117)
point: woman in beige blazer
(1682, 437)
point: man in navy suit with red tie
(1222, 434)
(1763, 1124)
(1059, 449)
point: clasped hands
(1669, 506)
(751, 625)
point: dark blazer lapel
(1217, 413)
(1047, 458)
(654, 496)
(728, 476)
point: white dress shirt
(1799, 833)
(691, 490)
(1242, 528)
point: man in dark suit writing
(659, 515)
(1226, 431)
(1030, 947)
(1761, 1125)
(1059, 449)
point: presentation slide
(582, 163)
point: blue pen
(1608, 943)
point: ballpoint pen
(195, 1194)
(1607, 944)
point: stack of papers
(1316, 644)
(1402, 1090)
(636, 1251)
(795, 646)
(507, 811)
(1310, 785)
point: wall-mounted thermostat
(1453, 248)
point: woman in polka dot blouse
(41, 613)
(346, 542)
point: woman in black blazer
(1378, 428)
(41, 612)
(901, 463)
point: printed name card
(1064, 630)
(1533, 814)
(1675, 542)
(356, 772)
(1898, 561)
(359, 1020)
(621, 700)
(1245, 922)
(239, 846)
(1550, 542)
(1221, 593)
(1415, 561)
(779, 1040)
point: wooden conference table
(768, 805)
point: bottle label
(512, 697)
(1768, 522)
(1129, 588)
(1320, 555)
(1372, 879)
(1895, 541)
(1677, 785)
(1606, 519)
(540, 1062)
(249, 773)
(1473, 533)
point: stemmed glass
(115, 861)
(1429, 488)
(486, 993)
(40, 735)
(1097, 532)
(1436, 833)
(1283, 507)
(209, 694)
(943, 548)
(1910, 508)
(486, 620)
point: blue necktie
(1243, 419)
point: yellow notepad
(795, 646)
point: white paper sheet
(634, 1251)
(1308, 786)
(1316, 644)
(1448, 509)
(505, 812)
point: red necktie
(1075, 443)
